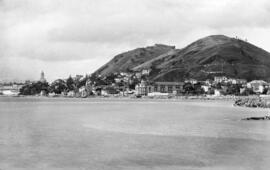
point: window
(170, 89)
(162, 88)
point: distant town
(133, 84)
(162, 71)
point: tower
(42, 77)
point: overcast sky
(64, 37)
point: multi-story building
(145, 88)
(168, 87)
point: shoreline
(200, 98)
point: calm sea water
(86, 134)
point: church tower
(42, 77)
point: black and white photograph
(134, 84)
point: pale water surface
(111, 134)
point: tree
(198, 89)
(110, 79)
(233, 89)
(218, 86)
(70, 84)
(58, 86)
(247, 92)
(154, 70)
(133, 83)
(188, 88)
(34, 88)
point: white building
(10, 92)
(146, 71)
(219, 79)
(237, 81)
(141, 88)
(192, 81)
(83, 91)
(205, 88)
(217, 92)
(257, 86)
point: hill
(205, 58)
(126, 61)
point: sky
(69, 37)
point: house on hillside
(208, 82)
(220, 79)
(146, 71)
(78, 77)
(239, 81)
(138, 75)
(117, 79)
(236, 81)
(191, 80)
(124, 74)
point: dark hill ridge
(206, 58)
(128, 60)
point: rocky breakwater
(253, 102)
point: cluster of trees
(110, 79)
(73, 84)
(193, 89)
(57, 87)
(230, 89)
(34, 88)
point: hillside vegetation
(202, 59)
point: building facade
(257, 86)
(220, 79)
(144, 88)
